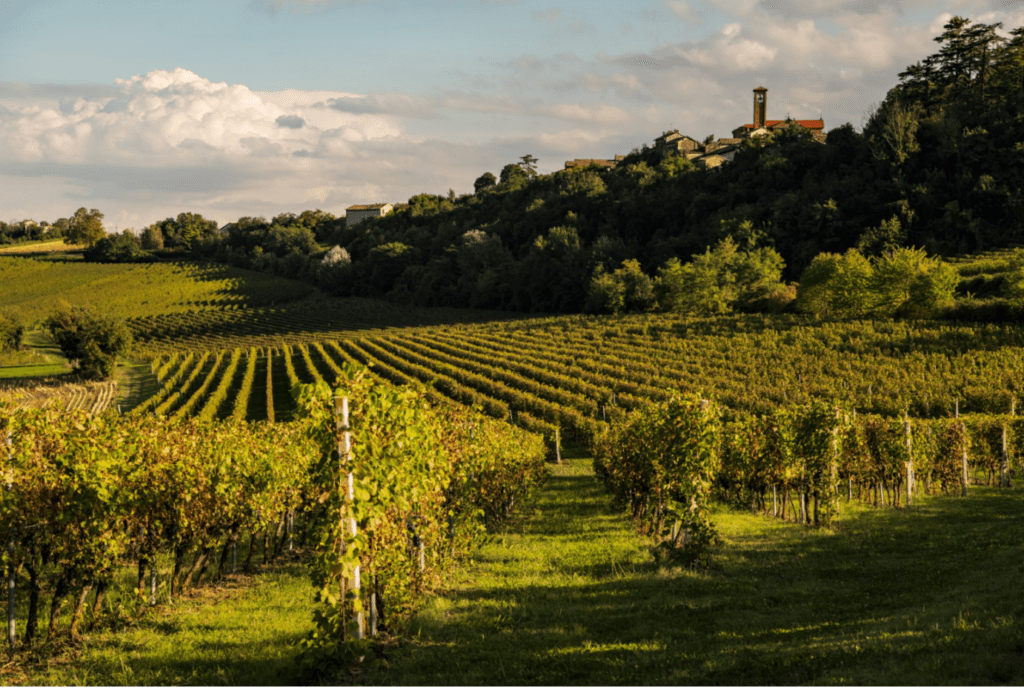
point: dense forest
(938, 166)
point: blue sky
(144, 109)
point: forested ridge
(938, 166)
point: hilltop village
(714, 152)
(706, 154)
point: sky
(148, 108)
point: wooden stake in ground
(345, 454)
(558, 447)
(1004, 478)
(12, 624)
(910, 460)
(964, 477)
(373, 607)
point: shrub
(90, 340)
(11, 332)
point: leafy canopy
(90, 340)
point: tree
(837, 285)
(85, 227)
(758, 279)
(887, 237)
(627, 289)
(512, 175)
(892, 130)
(484, 181)
(529, 165)
(186, 230)
(119, 247)
(721, 279)
(908, 282)
(334, 269)
(152, 238)
(11, 332)
(90, 340)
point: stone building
(354, 214)
(674, 142)
(762, 125)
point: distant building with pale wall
(587, 162)
(354, 214)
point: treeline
(937, 167)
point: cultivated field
(93, 397)
(34, 247)
(901, 440)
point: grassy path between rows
(932, 595)
(929, 596)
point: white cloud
(172, 117)
(167, 141)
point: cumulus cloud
(290, 122)
(155, 144)
(174, 132)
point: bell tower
(760, 106)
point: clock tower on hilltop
(760, 107)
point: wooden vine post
(558, 447)
(152, 584)
(964, 477)
(348, 486)
(1004, 478)
(910, 460)
(12, 626)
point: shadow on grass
(243, 632)
(928, 595)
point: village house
(354, 214)
(720, 151)
(674, 142)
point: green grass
(929, 595)
(243, 633)
(24, 372)
(136, 383)
(35, 288)
(42, 359)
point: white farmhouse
(355, 214)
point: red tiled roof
(805, 123)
